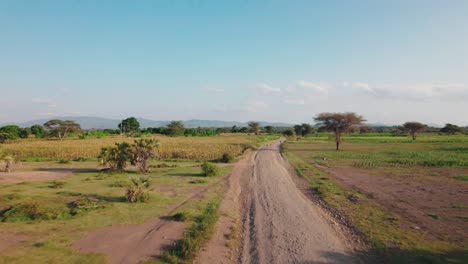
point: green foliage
(138, 191)
(210, 169)
(143, 150)
(129, 125)
(180, 216)
(195, 237)
(84, 204)
(175, 128)
(414, 128)
(116, 157)
(11, 131)
(57, 184)
(60, 129)
(227, 157)
(461, 178)
(38, 131)
(254, 127)
(34, 212)
(451, 129)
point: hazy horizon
(272, 61)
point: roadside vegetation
(94, 179)
(431, 161)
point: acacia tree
(414, 128)
(129, 125)
(338, 123)
(143, 150)
(451, 129)
(270, 130)
(254, 127)
(175, 128)
(60, 129)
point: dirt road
(279, 223)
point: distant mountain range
(89, 122)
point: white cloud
(422, 91)
(213, 90)
(294, 101)
(265, 88)
(321, 87)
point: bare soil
(435, 204)
(134, 243)
(279, 224)
(9, 240)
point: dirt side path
(137, 242)
(223, 247)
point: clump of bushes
(84, 204)
(138, 191)
(227, 157)
(180, 217)
(210, 170)
(139, 153)
(64, 161)
(33, 212)
(57, 184)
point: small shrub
(180, 217)
(57, 184)
(84, 204)
(34, 212)
(210, 170)
(119, 183)
(138, 191)
(197, 181)
(227, 157)
(64, 161)
(80, 159)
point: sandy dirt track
(279, 223)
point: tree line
(325, 122)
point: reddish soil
(138, 242)
(9, 240)
(437, 205)
(32, 176)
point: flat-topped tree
(60, 129)
(414, 128)
(338, 123)
(254, 127)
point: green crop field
(366, 182)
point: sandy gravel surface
(279, 223)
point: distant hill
(89, 122)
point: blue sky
(391, 61)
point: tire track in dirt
(133, 243)
(280, 224)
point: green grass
(52, 218)
(461, 178)
(381, 228)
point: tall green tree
(37, 131)
(175, 128)
(12, 131)
(129, 125)
(338, 123)
(61, 128)
(269, 129)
